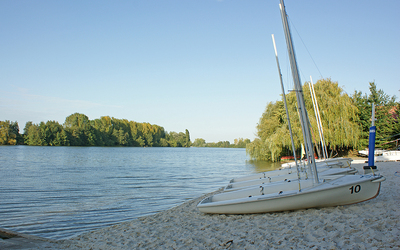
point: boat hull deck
(343, 190)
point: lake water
(60, 192)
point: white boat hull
(331, 161)
(389, 156)
(343, 190)
(293, 176)
(290, 168)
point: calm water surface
(60, 192)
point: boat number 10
(355, 189)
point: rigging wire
(292, 25)
(289, 80)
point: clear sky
(207, 65)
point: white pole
(305, 123)
(318, 118)
(286, 108)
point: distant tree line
(238, 143)
(9, 133)
(78, 130)
(345, 119)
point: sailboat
(322, 172)
(330, 190)
(288, 171)
(336, 166)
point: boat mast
(305, 124)
(318, 118)
(284, 100)
(287, 111)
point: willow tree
(273, 137)
(338, 116)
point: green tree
(163, 142)
(199, 142)
(135, 133)
(177, 139)
(187, 139)
(15, 130)
(61, 139)
(9, 133)
(141, 141)
(158, 134)
(121, 132)
(147, 132)
(27, 125)
(173, 139)
(34, 135)
(338, 115)
(241, 143)
(104, 131)
(79, 130)
(54, 134)
(223, 144)
(272, 133)
(385, 114)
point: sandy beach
(374, 224)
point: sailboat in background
(331, 190)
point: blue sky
(207, 66)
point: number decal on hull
(355, 189)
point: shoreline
(373, 224)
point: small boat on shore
(389, 155)
(322, 172)
(365, 152)
(332, 191)
(330, 161)
(291, 169)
